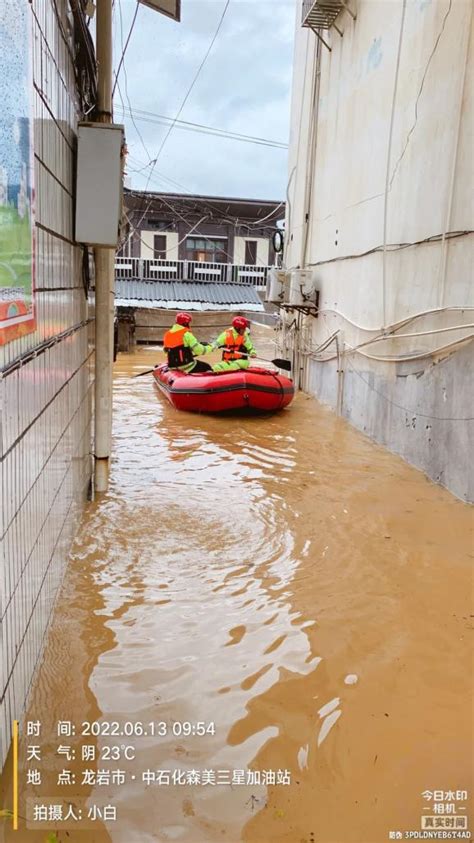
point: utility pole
(104, 272)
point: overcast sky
(244, 87)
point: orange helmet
(239, 322)
(183, 319)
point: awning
(171, 295)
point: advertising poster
(17, 315)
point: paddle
(147, 372)
(278, 362)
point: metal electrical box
(99, 183)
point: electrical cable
(204, 203)
(124, 48)
(288, 202)
(383, 337)
(402, 322)
(161, 176)
(204, 206)
(391, 336)
(393, 247)
(186, 97)
(312, 144)
(137, 112)
(122, 61)
(173, 248)
(419, 356)
(392, 358)
(147, 153)
(244, 222)
(201, 236)
(184, 219)
(258, 222)
(162, 120)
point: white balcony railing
(166, 270)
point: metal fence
(167, 270)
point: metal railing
(146, 269)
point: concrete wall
(45, 401)
(380, 187)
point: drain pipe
(308, 194)
(340, 378)
(104, 272)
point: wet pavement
(284, 579)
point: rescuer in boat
(182, 347)
(235, 343)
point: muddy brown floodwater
(237, 572)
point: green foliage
(15, 250)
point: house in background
(204, 253)
(206, 229)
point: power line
(122, 61)
(178, 213)
(124, 48)
(157, 173)
(185, 125)
(188, 191)
(189, 126)
(184, 219)
(215, 214)
(172, 248)
(233, 220)
(219, 25)
(154, 161)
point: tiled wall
(45, 401)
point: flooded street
(284, 579)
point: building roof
(269, 210)
(171, 295)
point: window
(206, 249)
(160, 225)
(250, 252)
(159, 246)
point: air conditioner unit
(321, 14)
(303, 288)
(277, 286)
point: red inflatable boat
(259, 389)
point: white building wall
(147, 244)
(262, 250)
(385, 177)
(45, 402)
